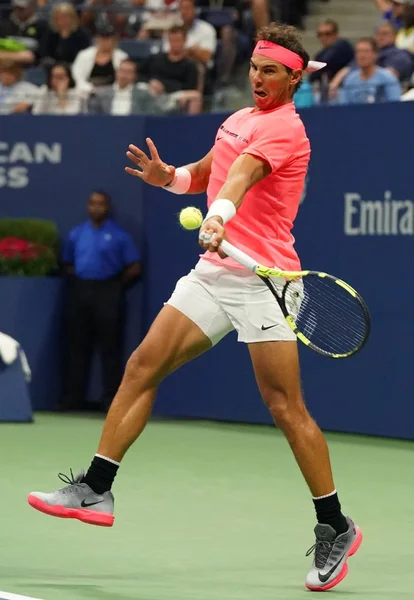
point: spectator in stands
(101, 259)
(392, 10)
(369, 83)
(60, 96)
(97, 65)
(399, 62)
(65, 39)
(291, 12)
(233, 45)
(261, 13)
(172, 75)
(16, 96)
(124, 97)
(336, 52)
(25, 32)
(408, 96)
(158, 16)
(405, 37)
(201, 40)
(99, 13)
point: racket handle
(239, 256)
(234, 253)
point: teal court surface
(204, 511)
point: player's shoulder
(279, 121)
(239, 113)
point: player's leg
(172, 340)
(276, 366)
(189, 325)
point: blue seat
(35, 75)
(139, 50)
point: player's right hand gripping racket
(324, 312)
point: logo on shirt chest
(232, 134)
(107, 237)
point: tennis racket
(324, 312)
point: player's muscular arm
(245, 172)
(200, 174)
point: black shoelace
(322, 550)
(66, 479)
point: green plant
(37, 231)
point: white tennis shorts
(220, 299)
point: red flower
(11, 247)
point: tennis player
(254, 177)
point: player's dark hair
(287, 37)
(368, 40)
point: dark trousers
(94, 320)
(289, 11)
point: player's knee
(287, 409)
(143, 368)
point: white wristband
(181, 182)
(221, 208)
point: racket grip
(239, 256)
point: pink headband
(285, 57)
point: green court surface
(203, 512)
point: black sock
(100, 475)
(328, 512)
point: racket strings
(327, 314)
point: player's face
(271, 84)
(98, 208)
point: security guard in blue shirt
(102, 259)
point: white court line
(6, 596)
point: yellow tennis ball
(191, 218)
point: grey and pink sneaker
(331, 555)
(76, 501)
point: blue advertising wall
(356, 221)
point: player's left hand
(213, 228)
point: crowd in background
(379, 68)
(125, 57)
